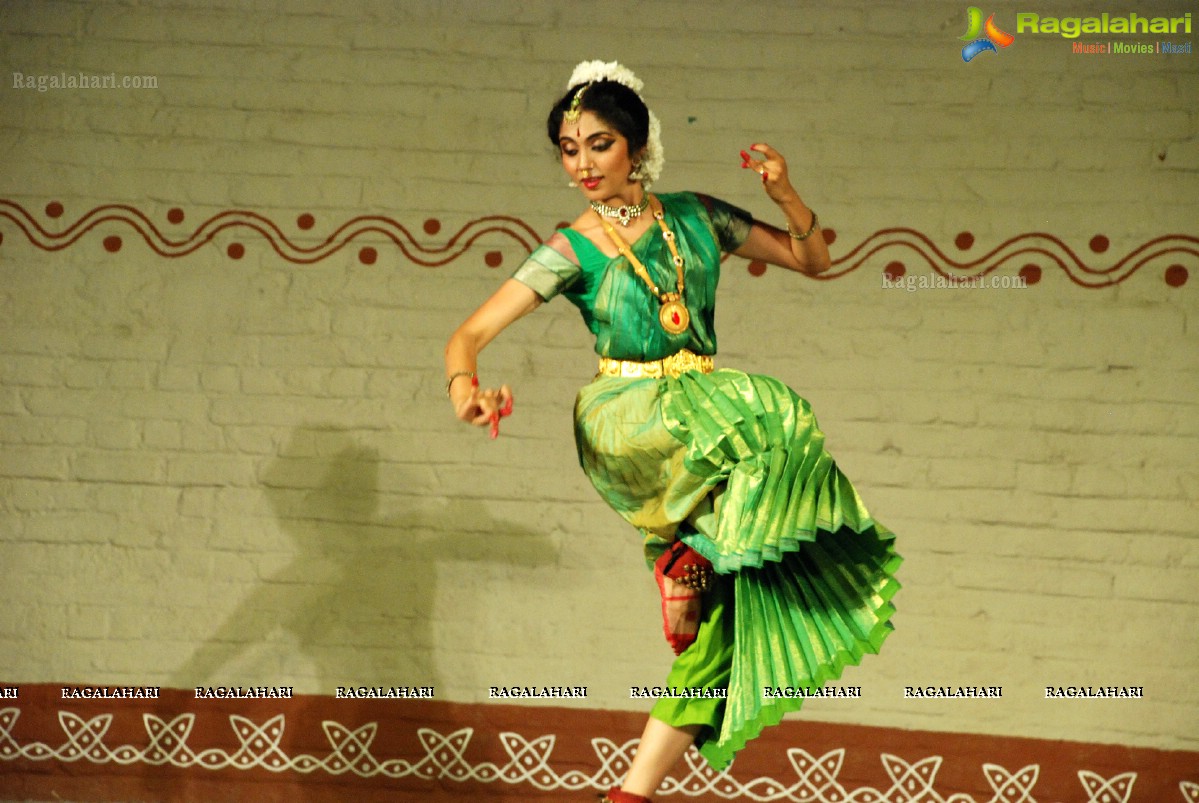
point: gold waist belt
(673, 365)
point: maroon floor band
(179, 748)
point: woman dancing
(772, 572)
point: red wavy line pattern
(1027, 256)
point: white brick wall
(245, 471)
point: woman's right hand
(481, 407)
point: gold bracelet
(449, 382)
(808, 233)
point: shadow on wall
(357, 604)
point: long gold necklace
(673, 313)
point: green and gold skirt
(734, 465)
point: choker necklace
(673, 314)
(623, 214)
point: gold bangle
(808, 233)
(449, 382)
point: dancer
(771, 570)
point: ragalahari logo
(981, 36)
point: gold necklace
(673, 314)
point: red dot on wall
(236, 250)
(493, 259)
(1099, 243)
(894, 270)
(305, 221)
(1031, 274)
(112, 243)
(368, 255)
(175, 215)
(757, 267)
(432, 226)
(54, 209)
(1176, 275)
(964, 240)
(830, 236)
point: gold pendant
(674, 316)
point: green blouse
(617, 306)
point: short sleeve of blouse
(546, 272)
(731, 223)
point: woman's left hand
(772, 169)
(793, 248)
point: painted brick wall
(234, 463)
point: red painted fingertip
(474, 380)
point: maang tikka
(576, 105)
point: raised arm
(801, 247)
(473, 404)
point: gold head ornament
(576, 105)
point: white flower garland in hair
(589, 71)
(653, 159)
